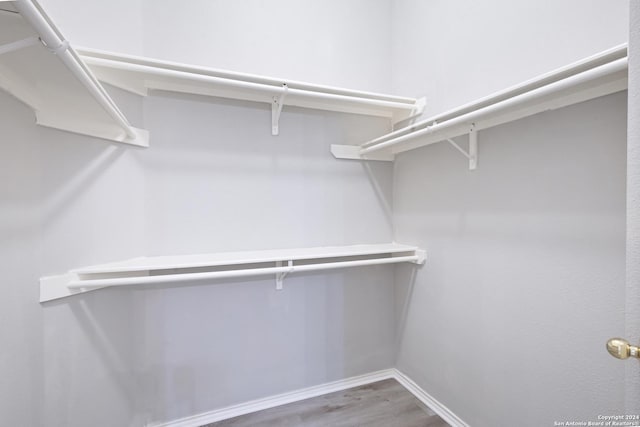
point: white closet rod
(582, 78)
(602, 58)
(54, 41)
(172, 278)
(235, 75)
(248, 85)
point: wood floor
(381, 404)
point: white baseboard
(437, 407)
(277, 400)
(319, 390)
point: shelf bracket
(276, 109)
(472, 155)
(352, 152)
(19, 44)
(473, 148)
(280, 276)
(408, 117)
(417, 111)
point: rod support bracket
(280, 276)
(472, 155)
(473, 147)
(419, 107)
(422, 256)
(276, 109)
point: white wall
(333, 42)
(633, 207)
(453, 52)
(21, 390)
(114, 25)
(524, 282)
(66, 200)
(214, 179)
(218, 181)
(506, 324)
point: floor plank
(381, 404)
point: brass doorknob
(621, 349)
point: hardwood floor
(381, 404)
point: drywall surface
(524, 283)
(453, 52)
(214, 180)
(633, 208)
(21, 355)
(507, 322)
(218, 181)
(66, 201)
(335, 42)
(115, 25)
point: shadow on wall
(56, 374)
(404, 283)
(91, 199)
(233, 341)
(89, 349)
(383, 188)
(240, 188)
(67, 202)
(88, 195)
(523, 253)
(64, 184)
(115, 355)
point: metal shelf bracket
(280, 276)
(417, 111)
(276, 109)
(472, 155)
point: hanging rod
(234, 75)
(190, 277)
(243, 84)
(31, 12)
(141, 75)
(602, 58)
(192, 268)
(592, 77)
(475, 116)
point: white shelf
(190, 268)
(40, 68)
(142, 75)
(592, 77)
